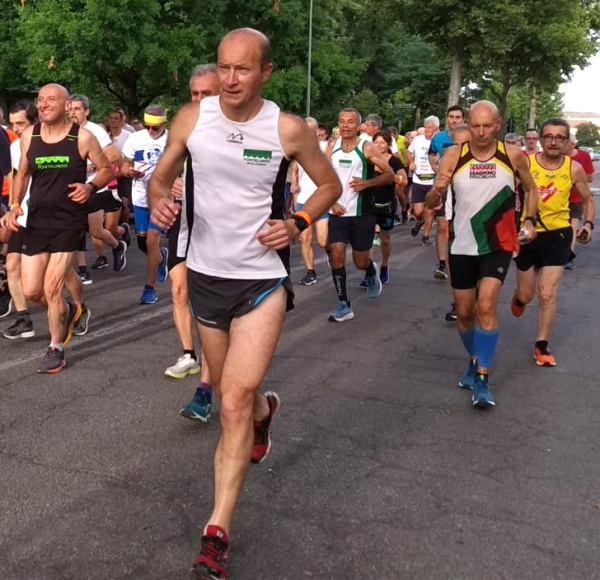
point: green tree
(588, 134)
(91, 44)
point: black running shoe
(126, 237)
(101, 262)
(6, 302)
(451, 315)
(120, 256)
(20, 329)
(309, 279)
(414, 232)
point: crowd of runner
(231, 184)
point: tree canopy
(378, 55)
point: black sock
(370, 271)
(191, 352)
(442, 264)
(83, 269)
(339, 281)
(23, 315)
(542, 345)
(148, 287)
(311, 272)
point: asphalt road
(380, 467)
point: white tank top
(349, 165)
(306, 184)
(238, 175)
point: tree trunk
(455, 78)
(532, 107)
(417, 117)
(503, 99)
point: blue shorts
(325, 216)
(142, 221)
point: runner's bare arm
(521, 166)
(580, 182)
(164, 209)
(23, 172)
(300, 143)
(443, 177)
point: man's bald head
(262, 42)
(59, 90)
(312, 123)
(485, 106)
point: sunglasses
(153, 127)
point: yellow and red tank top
(554, 188)
(483, 204)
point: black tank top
(53, 166)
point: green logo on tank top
(345, 163)
(54, 162)
(257, 157)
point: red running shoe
(211, 564)
(262, 433)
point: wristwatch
(532, 219)
(300, 222)
(94, 187)
(589, 222)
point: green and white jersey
(348, 166)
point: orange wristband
(15, 206)
(304, 215)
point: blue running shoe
(469, 377)
(374, 283)
(342, 313)
(149, 296)
(163, 268)
(199, 408)
(482, 395)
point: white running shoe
(184, 366)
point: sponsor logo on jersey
(482, 171)
(53, 162)
(345, 163)
(257, 157)
(547, 191)
(236, 138)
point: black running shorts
(15, 242)
(418, 191)
(467, 271)
(216, 301)
(38, 241)
(548, 249)
(358, 231)
(107, 201)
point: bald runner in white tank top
(238, 183)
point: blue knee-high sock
(486, 342)
(468, 340)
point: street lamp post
(308, 78)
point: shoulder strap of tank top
(37, 131)
(73, 131)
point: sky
(582, 94)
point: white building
(575, 119)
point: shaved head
(485, 105)
(59, 89)
(262, 42)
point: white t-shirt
(120, 140)
(15, 155)
(145, 153)
(423, 174)
(102, 138)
